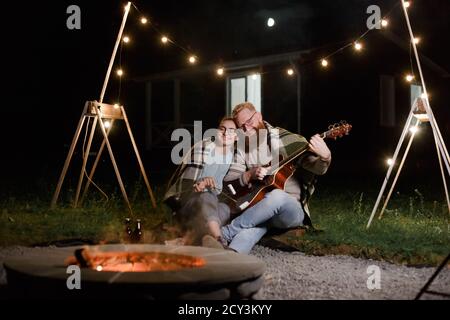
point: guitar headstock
(338, 130)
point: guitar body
(247, 197)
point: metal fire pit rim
(221, 266)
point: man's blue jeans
(277, 210)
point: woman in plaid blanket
(194, 196)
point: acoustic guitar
(247, 196)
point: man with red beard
(281, 209)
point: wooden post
(85, 159)
(400, 167)
(433, 123)
(136, 151)
(443, 175)
(113, 160)
(440, 140)
(69, 156)
(391, 167)
(94, 166)
(113, 56)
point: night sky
(51, 71)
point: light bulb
(164, 39)
(290, 72)
(414, 129)
(144, 20)
(192, 59)
(384, 23)
(220, 71)
(409, 78)
(120, 72)
(358, 46)
(324, 63)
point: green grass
(414, 230)
(31, 221)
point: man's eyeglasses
(248, 122)
(227, 131)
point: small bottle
(128, 229)
(137, 234)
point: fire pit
(100, 260)
(138, 271)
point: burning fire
(133, 261)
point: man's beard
(260, 126)
(260, 137)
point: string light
(358, 46)
(409, 78)
(99, 268)
(107, 124)
(414, 129)
(192, 59)
(116, 106)
(416, 40)
(424, 96)
(390, 162)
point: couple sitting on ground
(205, 212)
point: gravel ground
(298, 276)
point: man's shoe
(209, 241)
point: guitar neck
(291, 157)
(297, 153)
(326, 134)
(335, 131)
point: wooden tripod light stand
(420, 111)
(100, 112)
